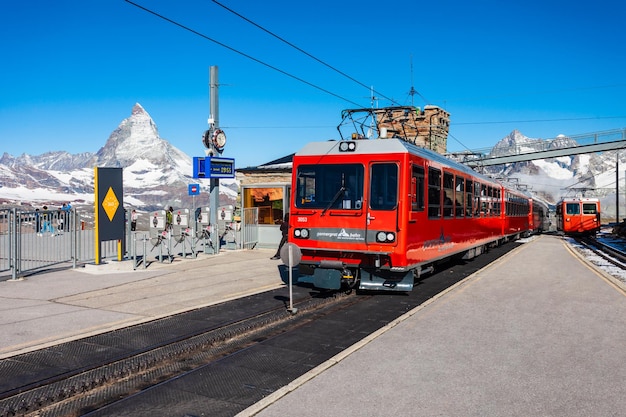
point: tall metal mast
(214, 191)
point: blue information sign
(194, 189)
(213, 167)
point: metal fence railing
(249, 228)
(34, 240)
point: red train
(379, 213)
(576, 216)
(539, 219)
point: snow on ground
(599, 262)
(43, 195)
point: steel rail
(606, 252)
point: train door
(382, 211)
(590, 218)
(559, 216)
(572, 219)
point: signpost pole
(213, 206)
(291, 256)
(291, 280)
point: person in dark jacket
(284, 228)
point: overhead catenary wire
(269, 32)
(412, 92)
(540, 120)
(195, 32)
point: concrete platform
(54, 307)
(538, 333)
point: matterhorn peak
(137, 139)
(137, 109)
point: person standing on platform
(46, 225)
(284, 228)
(37, 222)
(169, 219)
(133, 220)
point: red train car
(379, 213)
(578, 215)
(539, 221)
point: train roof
(387, 146)
(578, 200)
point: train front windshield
(332, 186)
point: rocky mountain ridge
(156, 174)
(584, 175)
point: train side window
(589, 208)
(434, 192)
(477, 199)
(384, 186)
(448, 194)
(498, 201)
(572, 208)
(469, 190)
(459, 203)
(417, 188)
(484, 200)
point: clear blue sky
(71, 71)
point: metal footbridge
(545, 148)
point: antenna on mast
(412, 92)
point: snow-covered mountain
(585, 175)
(155, 173)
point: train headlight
(301, 233)
(347, 146)
(385, 237)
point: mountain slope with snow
(585, 175)
(155, 173)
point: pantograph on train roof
(427, 127)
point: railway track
(67, 394)
(607, 252)
(255, 348)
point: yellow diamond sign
(110, 203)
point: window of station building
(469, 193)
(448, 194)
(384, 186)
(417, 188)
(572, 208)
(268, 200)
(589, 208)
(434, 192)
(459, 202)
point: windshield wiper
(341, 190)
